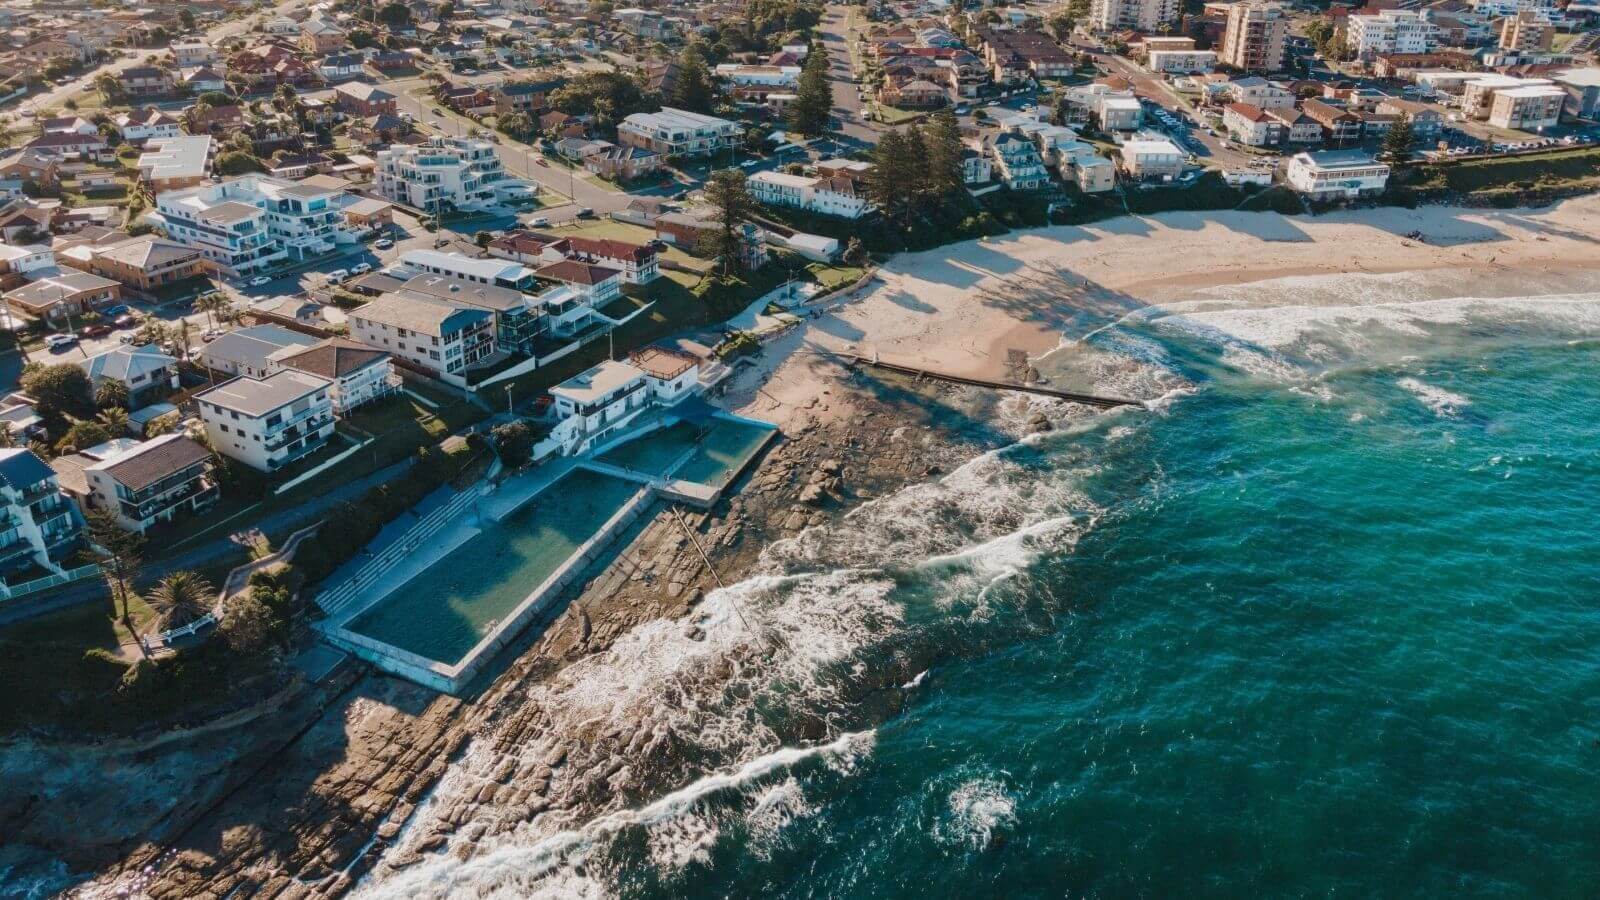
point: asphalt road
(835, 36)
(1149, 86)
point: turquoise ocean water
(1326, 624)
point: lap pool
(709, 452)
(444, 611)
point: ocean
(1324, 620)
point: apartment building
(1531, 107)
(597, 403)
(1527, 31)
(497, 272)
(268, 422)
(1478, 95)
(40, 526)
(517, 321)
(359, 98)
(441, 339)
(828, 196)
(1181, 62)
(1252, 126)
(143, 484)
(1139, 15)
(141, 263)
(677, 132)
(246, 223)
(1391, 31)
(1017, 162)
(1336, 174)
(1583, 92)
(1426, 122)
(1339, 125)
(1255, 37)
(447, 172)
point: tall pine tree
(892, 182)
(941, 137)
(813, 100)
(695, 89)
(1396, 150)
(725, 191)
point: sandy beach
(968, 308)
(377, 776)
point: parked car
(60, 341)
(121, 309)
(338, 275)
(260, 280)
(211, 334)
(539, 221)
(127, 320)
(360, 268)
(383, 243)
(585, 212)
(94, 331)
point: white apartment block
(357, 373)
(597, 404)
(827, 196)
(1142, 15)
(39, 524)
(1336, 174)
(677, 132)
(1498, 9)
(1152, 159)
(1528, 108)
(1255, 37)
(440, 338)
(1017, 163)
(1392, 31)
(248, 223)
(150, 482)
(266, 423)
(1478, 94)
(447, 172)
(1182, 62)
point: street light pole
(511, 409)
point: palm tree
(115, 418)
(7, 439)
(181, 598)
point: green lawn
(1556, 169)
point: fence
(12, 592)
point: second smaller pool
(711, 451)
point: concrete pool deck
(450, 528)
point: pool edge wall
(450, 679)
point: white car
(539, 222)
(338, 275)
(57, 341)
(383, 243)
(360, 268)
(260, 280)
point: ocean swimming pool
(449, 607)
(710, 452)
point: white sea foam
(1444, 404)
(976, 812)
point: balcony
(306, 428)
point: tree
(941, 140)
(82, 435)
(248, 625)
(237, 162)
(695, 91)
(1396, 149)
(182, 597)
(186, 18)
(1061, 24)
(115, 420)
(444, 9)
(726, 192)
(164, 424)
(514, 442)
(60, 390)
(213, 304)
(891, 182)
(813, 102)
(111, 393)
(7, 439)
(119, 552)
(109, 87)
(394, 16)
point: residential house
(596, 404)
(527, 97)
(1336, 174)
(623, 163)
(142, 263)
(517, 320)
(40, 526)
(1339, 125)
(174, 163)
(1182, 62)
(143, 483)
(141, 125)
(66, 145)
(357, 374)
(911, 93)
(440, 339)
(1251, 126)
(361, 99)
(252, 351)
(145, 372)
(187, 54)
(319, 37)
(31, 165)
(688, 231)
(341, 65)
(637, 262)
(496, 272)
(596, 285)
(55, 297)
(1426, 122)
(1017, 162)
(268, 422)
(146, 81)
